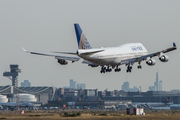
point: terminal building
(45, 94)
(42, 94)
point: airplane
(108, 58)
(165, 103)
(12, 105)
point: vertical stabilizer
(81, 39)
(166, 100)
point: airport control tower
(12, 75)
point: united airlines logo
(134, 48)
(84, 44)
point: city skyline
(48, 26)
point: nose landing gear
(139, 66)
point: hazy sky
(47, 25)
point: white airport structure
(24, 98)
(3, 99)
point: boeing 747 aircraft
(165, 103)
(109, 58)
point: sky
(48, 25)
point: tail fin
(166, 100)
(81, 39)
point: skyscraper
(125, 86)
(156, 84)
(160, 86)
(72, 83)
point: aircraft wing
(139, 59)
(89, 63)
(69, 58)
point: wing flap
(67, 58)
(128, 61)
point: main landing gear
(103, 69)
(117, 69)
(129, 68)
(108, 69)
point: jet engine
(164, 58)
(62, 62)
(151, 62)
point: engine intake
(164, 58)
(151, 62)
(62, 62)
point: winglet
(25, 50)
(174, 45)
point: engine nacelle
(62, 62)
(164, 58)
(151, 62)
(93, 65)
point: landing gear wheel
(139, 67)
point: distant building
(151, 88)
(110, 93)
(72, 83)
(101, 93)
(71, 93)
(60, 91)
(66, 87)
(91, 92)
(26, 83)
(156, 84)
(175, 90)
(81, 86)
(140, 89)
(160, 86)
(125, 86)
(136, 89)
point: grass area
(90, 114)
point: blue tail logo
(166, 100)
(81, 39)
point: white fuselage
(113, 55)
(153, 104)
